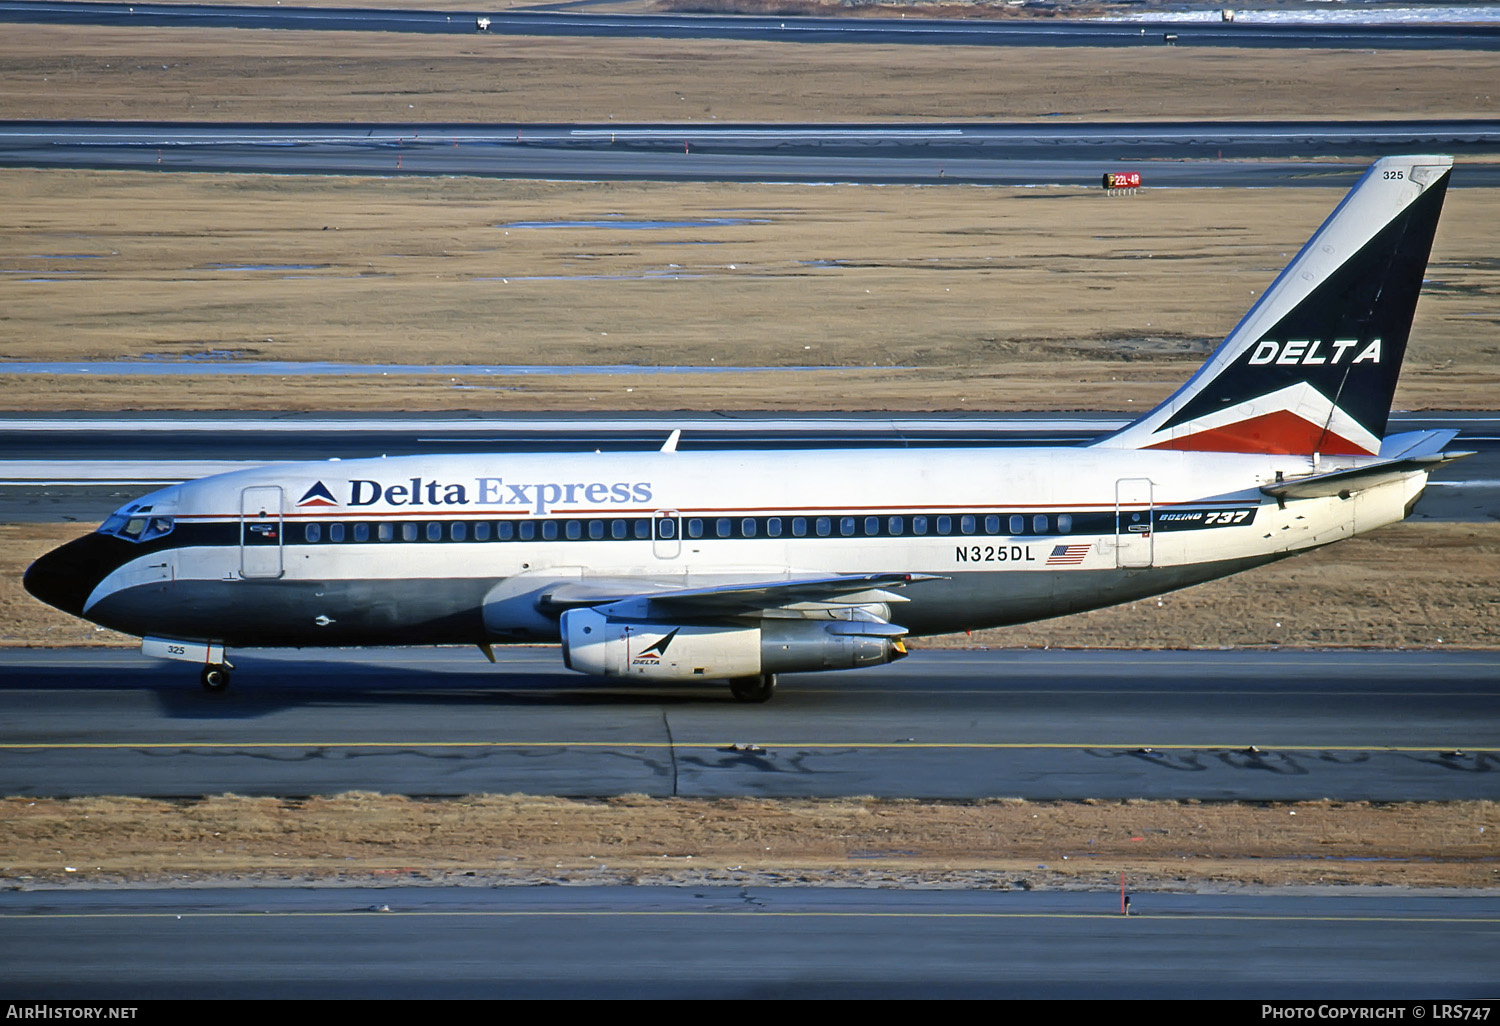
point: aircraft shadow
(263, 688)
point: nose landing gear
(215, 678)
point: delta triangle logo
(651, 654)
(317, 495)
(660, 648)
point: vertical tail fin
(1313, 366)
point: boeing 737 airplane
(673, 566)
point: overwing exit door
(666, 534)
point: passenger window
(773, 527)
(966, 524)
(944, 525)
(721, 527)
(573, 529)
(482, 531)
(434, 532)
(799, 527)
(1038, 525)
(695, 528)
(504, 530)
(872, 526)
(643, 530)
(458, 530)
(747, 527)
(846, 526)
(823, 526)
(617, 528)
(596, 529)
(666, 527)
(1017, 524)
(335, 532)
(991, 525)
(362, 532)
(387, 531)
(895, 525)
(549, 530)
(312, 532)
(409, 532)
(526, 530)
(1064, 523)
(918, 525)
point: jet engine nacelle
(600, 645)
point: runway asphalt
(1235, 725)
(1359, 945)
(776, 28)
(1168, 155)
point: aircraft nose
(66, 576)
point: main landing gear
(215, 678)
(753, 689)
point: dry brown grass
(496, 839)
(996, 298)
(255, 75)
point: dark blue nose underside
(67, 576)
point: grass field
(494, 840)
(915, 298)
(256, 75)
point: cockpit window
(136, 527)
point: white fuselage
(464, 547)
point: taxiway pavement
(1188, 154)
(1242, 725)
(746, 942)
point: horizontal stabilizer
(1410, 444)
(1344, 483)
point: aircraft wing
(735, 598)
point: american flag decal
(1068, 555)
